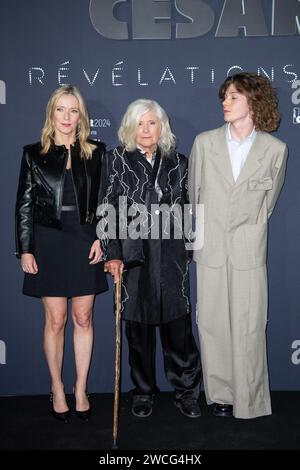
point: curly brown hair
(261, 97)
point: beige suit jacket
(235, 213)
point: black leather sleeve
(24, 208)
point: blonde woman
(56, 238)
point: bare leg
(55, 321)
(82, 311)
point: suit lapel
(252, 162)
(221, 158)
(220, 155)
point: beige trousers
(232, 316)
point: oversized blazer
(235, 213)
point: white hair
(131, 119)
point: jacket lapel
(137, 159)
(220, 155)
(164, 178)
(252, 162)
(221, 158)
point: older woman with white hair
(145, 181)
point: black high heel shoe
(83, 415)
(64, 416)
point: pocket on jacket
(43, 201)
(249, 246)
(132, 252)
(261, 184)
(41, 180)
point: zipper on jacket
(42, 180)
(88, 217)
(62, 184)
(74, 186)
(76, 197)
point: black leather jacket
(40, 190)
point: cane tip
(114, 445)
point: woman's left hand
(96, 253)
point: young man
(236, 172)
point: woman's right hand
(28, 263)
(115, 268)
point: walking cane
(118, 286)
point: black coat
(39, 196)
(156, 276)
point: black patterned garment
(149, 200)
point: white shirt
(238, 151)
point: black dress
(62, 256)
